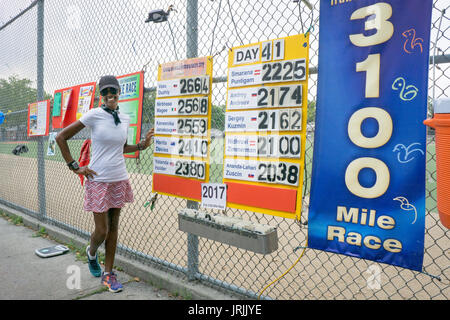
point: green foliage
(217, 117)
(148, 108)
(311, 112)
(41, 233)
(16, 94)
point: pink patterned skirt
(101, 196)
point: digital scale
(51, 251)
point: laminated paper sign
(38, 118)
(85, 98)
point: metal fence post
(40, 96)
(192, 48)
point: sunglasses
(105, 91)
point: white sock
(89, 253)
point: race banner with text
(368, 177)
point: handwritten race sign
(265, 121)
(182, 120)
(369, 148)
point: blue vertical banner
(368, 177)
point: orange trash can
(441, 123)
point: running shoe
(94, 266)
(110, 280)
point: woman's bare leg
(111, 238)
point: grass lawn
(133, 166)
(144, 165)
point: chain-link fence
(57, 44)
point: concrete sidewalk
(24, 275)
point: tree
(217, 117)
(311, 112)
(16, 94)
(148, 108)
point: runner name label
(181, 126)
(285, 173)
(264, 120)
(181, 106)
(183, 86)
(265, 97)
(181, 146)
(180, 167)
(270, 72)
(273, 146)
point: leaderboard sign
(265, 126)
(182, 120)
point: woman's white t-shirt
(107, 141)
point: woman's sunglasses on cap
(111, 90)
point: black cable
(173, 40)
(214, 29)
(300, 16)
(234, 23)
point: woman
(107, 187)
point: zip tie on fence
(299, 247)
(432, 276)
(220, 51)
(311, 27)
(151, 202)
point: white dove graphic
(405, 154)
(405, 205)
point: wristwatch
(73, 165)
(140, 145)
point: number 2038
(278, 172)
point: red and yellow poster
(38, 118)
(71, 103)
